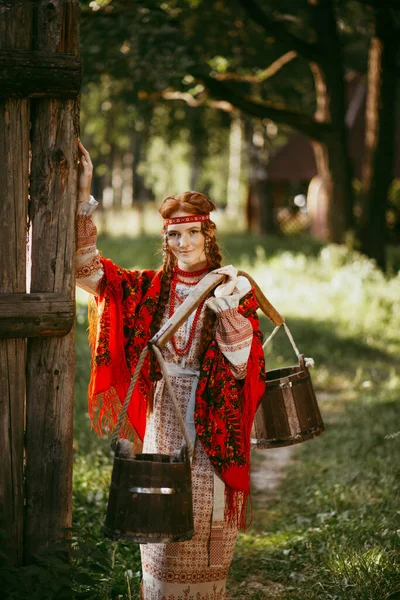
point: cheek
(200, 243)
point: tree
(205, 53)
(380, 131)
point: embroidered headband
(187, 219)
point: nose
(184, 240)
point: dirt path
(268, 468)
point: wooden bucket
(150, 498)
(288, 412)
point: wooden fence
(40, 77)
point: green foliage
(51, 576)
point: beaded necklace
(174, 297)
(191, 274)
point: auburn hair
(193, 203)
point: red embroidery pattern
(234, 331)
(152, 592)
(89, 268)
(191, 219)
(86, 231)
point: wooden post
(50, 368)
(15, 32)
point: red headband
(188, 219)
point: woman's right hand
(85, 173)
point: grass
(332, 528)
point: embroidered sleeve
(89, 270)
(234, 333)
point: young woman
(216, 365)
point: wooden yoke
(263, 302)
(197, 295)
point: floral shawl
(119, 323)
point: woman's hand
(226, 289)
(85, 173)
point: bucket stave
(150, 498)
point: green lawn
(332, 529)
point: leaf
(85, 579)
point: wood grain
(51, 361)
(35, 315)
(15, 32)
(34, 74)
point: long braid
(169, 261)
(214, 259)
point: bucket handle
(122, 414)
(304, 362)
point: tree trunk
(140, 147)
(197, 138)
(51, 362)
(235, 156)
(15, 32)
(379, 134)
(117, 179)
(332, 156)
(260, 200)
(140, 192)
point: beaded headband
(188, 219)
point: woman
(216, 365)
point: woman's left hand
(226, 289)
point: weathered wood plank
(50, 370)
(12, 422)
(34, 74)
(15, 32)
(35, 315)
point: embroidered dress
(196, 569)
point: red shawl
(224, 412)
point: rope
(288, 333)
(173, 398)
(295, 348)
(275, 331)
(122, 414)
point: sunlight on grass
(359, 574)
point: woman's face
(186, 242)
